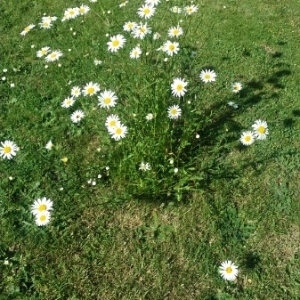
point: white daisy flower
(135, 52)
(144, 167)
(116, 42)
(111, 122)
(174, 112)
(236, 87)
(129, 26)
(68, 102)
(175, 31)
(75, 91)
(46, 24)
(71, 13)
(179, 87)
(141, 30)
(146, 11)
(107, 99)
(119, 132)
(260, 129)
(42, 218)
(247, 138)
(8, 149)
(77, 116)
(49, 145)
(208, 76)
(53, 56)
(27, 29)
(42, 52)
(83, 9)
(40, 205)
(228, 270)
(190, 9)
(171, 47)
(91, 89)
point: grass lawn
(150, 185)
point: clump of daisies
(8, 149)
(228, 270)
(259, 132)
(41, 210)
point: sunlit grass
(165, 151)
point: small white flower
(208, 76)
(49, 145)
(174, 112)
(149, 117)
(260, 129)
(179, 87)
(8, 149)
(144, 167)
(135, 52)
(247, 138)
(228, 270)
(77, 116)
(236, 87)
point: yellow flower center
(72, 12)
(175, 32)
(142, 29)
(207, 76)
(172, 47)
(261, 129)
(42, 218)
(112, 123)
(119, 131)
(146, 11)
(248, 138)
(90, 90)
(115, 43)
(27, 29)
(53, 55)
(179, 87)
(69, 101)
(130, 25)
(7, 149)
(81, 10)
(107, 100)
(173, 111)
(42, 207)
(228, 270)
(45, 24)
